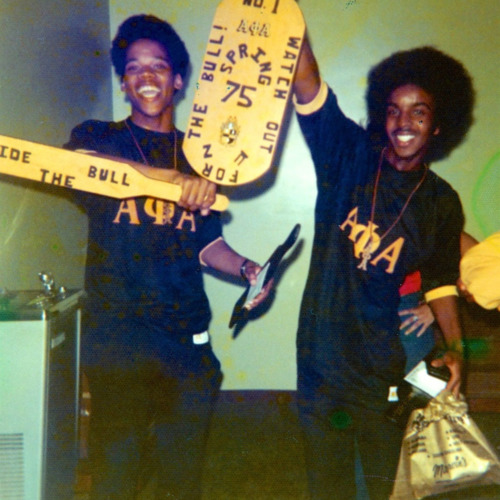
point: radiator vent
(11, 467)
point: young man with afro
(380, 214)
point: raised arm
(307, 78)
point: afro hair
(439, 75)
(148, 27)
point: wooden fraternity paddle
(84, 172)
(243, 89)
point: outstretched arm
(467, 241)
(220, 256)
(307, 78)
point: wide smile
(148, 91)
(404, 138)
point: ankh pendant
(366, 256)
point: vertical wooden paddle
(243, 89)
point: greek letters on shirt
(361, 234)
(158, 212)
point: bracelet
(243, 268)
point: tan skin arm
(307, 77)
(466, 242)
(445, 310)
(220, 256)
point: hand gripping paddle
(69, 169)
(243, 89)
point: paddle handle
(84, 172)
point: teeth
(405, 137)
(148, 91)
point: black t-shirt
(349, 323)
(143, 253)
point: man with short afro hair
(153, 28)
(145, 347)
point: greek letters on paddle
(243, 88)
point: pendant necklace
(138, 146)
(366, 254)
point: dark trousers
(332, 432)
(152, 416)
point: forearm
(466, 242)
(197, 193)
(307, 77)
(445, 310)
(221, 257)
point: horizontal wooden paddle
(84, 172)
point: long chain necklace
(138, 146)
(367, 250)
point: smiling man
(150, 82)
(409, 126)
(145, 344)
(381, 214)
